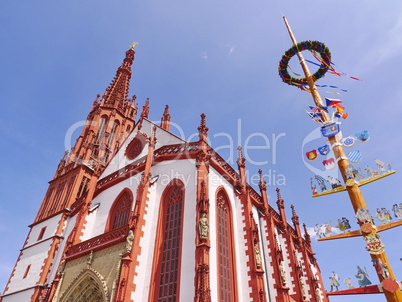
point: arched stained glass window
(225, 251)
(170, 229)
(120, 211)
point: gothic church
(117, 225)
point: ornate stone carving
(89, 285)
(203, 291)
(129, 241)
(282, 272)
(61, 267)
(257, 255)
(318, 295)
(90, 258)
(203, 226)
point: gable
(135, 146)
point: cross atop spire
(133, 45)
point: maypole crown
(306, 45)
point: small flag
(324, 108)
(315, 116)
(332, 102)
(339, 108)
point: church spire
(117, 92)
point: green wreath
(306, 45)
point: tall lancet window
(101, 129)
(120, 211)
(225, 250)
(113, 133)
(166, 270)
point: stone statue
(61, 267)
(303, 287)
(318, 295)
(90, 258)
(203, 226)
(129, 241)
(257, 255)
(282, 271)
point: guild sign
(330, 130)
(329, 164)
(355, 156)
(348, 141)
(373, 244)
(324, 150)
(311, 155)
(363, 136)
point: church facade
(135, 213)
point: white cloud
(231, 49)
(204, 55)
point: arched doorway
(87, 287)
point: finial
(293, 210)
(240, 158)
(203, 129)
(203, 123)
(263, 183)
(278, 193)
(166, 112)
(295, 218)
(305, 229)
(306, 234)
(133, 45)
(145, 109)
(165, 121)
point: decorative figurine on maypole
(328, 116)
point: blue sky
(217, 57)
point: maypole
(368, 230)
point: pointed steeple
(165, 121)
(108, 123)
(117, 92)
